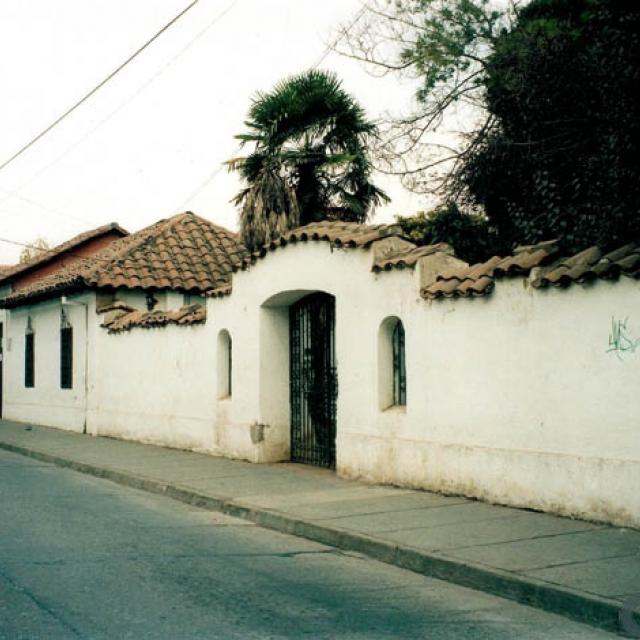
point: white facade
(46, 402)
(156, 386)
(516, 397)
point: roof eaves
(32, 297)
(64, 247)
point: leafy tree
(562, 157)
(550, 87)
(34, 250)
(470, 234)
(309, 161)
(442, 46)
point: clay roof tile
(66, 247)
(341, 234)
(193, 314)
(580, 267)
(162, 255)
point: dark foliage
(469, 234)
(563, 156)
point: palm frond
(310, 157)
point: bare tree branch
(442, 45)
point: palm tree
(310, 158)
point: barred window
(66, 356)
(29, 355)
(392, 371)
(399, 366)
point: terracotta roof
(339, 234)
(116, 305)
(591, 264)
(552, 269)
(65, 247)
(220, 292)
(409, 257)
(64, 280)
(193, 314)
(185, 252)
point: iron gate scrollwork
(313, 380)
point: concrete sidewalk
(586, 571)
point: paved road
(85, 558)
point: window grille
(399, 366)
(29, 356)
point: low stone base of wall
(589, 488)
(66, 418)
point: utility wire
(157, 74)
(96, 88)
(39, 205)
(327, 50)
(332, 45)
(53, 249)
(90, 132)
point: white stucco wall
(154, 385)
(46, 403)
(511, 398)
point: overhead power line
(36, 248)
(14, 192)
(39, 205)
(332, 45)
(120, 107)
(101, 84)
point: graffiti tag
(620, 341)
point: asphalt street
(85, 558)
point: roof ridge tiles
(64, 247)
(584, 266)
(192, 314)
(339, 234)
(622, 252)
(140, 260)
(407, 257)
(550, 246)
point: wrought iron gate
(313, 380)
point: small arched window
(392, 373)
(224, 364)
(399, 366)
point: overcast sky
(138, 149)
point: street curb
(585, 608)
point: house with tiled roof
(20, 276)
(54, 342)
(15, 277)
(347, 346)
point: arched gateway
(313, 380)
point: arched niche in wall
(392, 377)
(224, 364)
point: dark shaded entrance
(313, 380)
